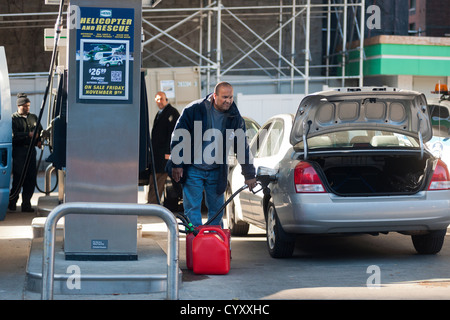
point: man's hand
(177, 173)
(251, 183)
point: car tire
(236, 228)
(430, 243)
(279, 243)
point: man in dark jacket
(163, 126)
(207, 128)
(24, 124)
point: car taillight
(306, 179)
(441, 178)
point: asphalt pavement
(319, 270)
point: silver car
(352, 160)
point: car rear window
(361, 139)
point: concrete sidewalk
(18, 250)
(15, 242)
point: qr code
(116, 76)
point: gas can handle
(215, 229)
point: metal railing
(109, 209)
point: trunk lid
(388, 109)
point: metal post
(307, 45)
(327, 63)
(61, 185)
(219, 40)
(293, 46)
(200, 34)
(361, 44)
(208, 54)
(344, 44)
(48, 178)
(280, 44)
(109, 209)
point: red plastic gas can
(190, 238)
(211, 251)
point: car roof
(287, 117)
(438, 101)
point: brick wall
(23, 37)
(437, 18)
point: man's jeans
(198, 180)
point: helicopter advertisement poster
(104, 56)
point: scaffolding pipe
(175, 40)
(280, 43)
(327, 62)
(209, 64)
(344, 45)
(208, 75)
(361, 44)
(264, 41)
(257, 52)
(293, 46)
(219, 39)
(307, 45)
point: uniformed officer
(24, 124)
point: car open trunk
(375, 174)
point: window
(440, 120)
(271, 146)
(252, 128)
(267, 142)
(360, 139)
(259, 139)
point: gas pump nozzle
(264, 176)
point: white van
(5, 135)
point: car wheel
(236, 228)
(430, 243)
(279, 243)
